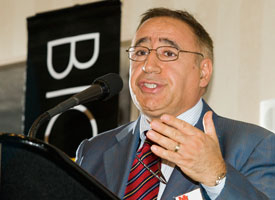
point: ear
(206, 68)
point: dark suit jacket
(248, 150)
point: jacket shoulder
(238, 140)
(241, 129)
(106, 139)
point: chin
(151, 114)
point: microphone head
(111, 83)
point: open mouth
(150, 85)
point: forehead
(164, 31)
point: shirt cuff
(214, 191)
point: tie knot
(146, 147)
(147, 140)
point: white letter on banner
(80, 108)
(72, 61)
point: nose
(152, 63)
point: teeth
(150, 85)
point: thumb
(208, 125)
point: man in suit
(171, 61)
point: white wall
(243, 32)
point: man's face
(159, 87)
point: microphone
(103, 88)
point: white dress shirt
(191, 116)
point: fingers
(167, 155)
(160, 139)
(169, 131)
(199, 153)
(180, 125)
(208, 125)
(173, 128)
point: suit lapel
(119, 158)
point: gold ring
(177, 148)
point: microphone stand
(37, 123)
(46, 116)
(102, 88)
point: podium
(33, 169)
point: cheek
(134, 73)
(131, 79)
(176, 79)
(183, 81)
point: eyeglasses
(160, 177)
(155, 174)
(164, 53)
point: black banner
(67, 50)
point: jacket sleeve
(79, 152)
(256, 178)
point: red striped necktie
(142, 184)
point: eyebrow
(141, 40)
(165, 40)
(170, 42)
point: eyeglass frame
(160, 178)
(156, 49)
